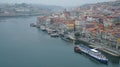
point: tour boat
(91, 52)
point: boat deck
(103, 48)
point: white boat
(42, 27)
(54, 33)
(91, 52)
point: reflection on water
(114, 62)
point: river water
(25, 46)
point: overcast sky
(55, 2)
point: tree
(77, 35)
(77, 41)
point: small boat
(54, 33)
(91, 52)
(33, 25)
(48, 30)
(66, 38)
(42, 27)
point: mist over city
(60, 33)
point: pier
(101, 47)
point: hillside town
(59, 33)
(97, 24)
(24, 9)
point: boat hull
(78, 50)
(54, 35)
(65, 38)
(102, 61)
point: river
(25, 46)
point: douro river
(25, 46)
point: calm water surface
(25, 46)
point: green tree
(77, 41)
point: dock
(102, 48)
(106, 50)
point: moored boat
(33, 25)
(54, 33)
(48, 30)
(91, 52)
(66, 38)
(42, 27)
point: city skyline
(56, 2)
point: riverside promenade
(101, 47)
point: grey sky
(55, 2)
